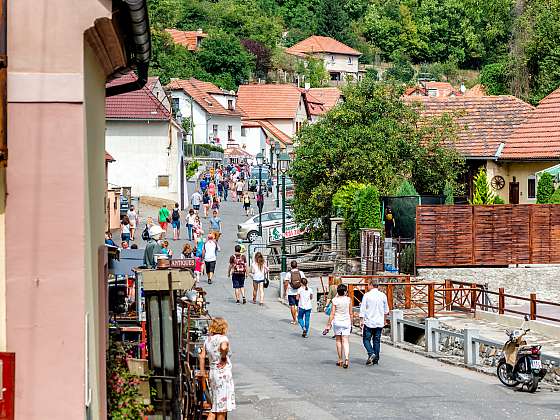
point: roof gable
(140, 104)
(321, 44)
(539, 135)
(202, 92)
(188, 39)
(484, 121)
(271, 101)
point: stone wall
(520, 281)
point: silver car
(249, 230)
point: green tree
(372, 138)
(545, 188)
(555, 198)
(164, 14)
(314, 72)
(333, 20)
(223, 56)
(495, 78)
(449, 193)
(406, 189)
(482, 191)
(401, 70)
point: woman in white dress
(220, 378)
(133, 218)
(341, 322)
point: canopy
(553, 170)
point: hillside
(514, 44)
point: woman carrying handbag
(259, 271)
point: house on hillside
(341, 61)
(213, 111)
(147, 143)
(191, 40)
(321, 100)
(155, 86)
(433, 90)
(486, 126)
(533, 147)
(271, 113)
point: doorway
(514, 192)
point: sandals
(346, 363)
(339, 363)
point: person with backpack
(176, 222)
(238, 270)
(209, 254)
(305, 296)
(292, 283)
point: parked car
(125, 205)
(249, 230)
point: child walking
(305, 295)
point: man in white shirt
(291, 291)
(209, 252)
(373, 312)
(195, 201)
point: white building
(341, 61)
(213, 110)
(147, 144)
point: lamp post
(277, 152)
(284, 163)
(260, 160)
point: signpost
(185, 263)
(274, 233)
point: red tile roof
(484, 121)
(320, 44)
(187, 39)
(236, 152)
(275, 132)
(140, 104)
(443, 89)
(268, 101)
(539, 136)
(329, 97)
(202, 92)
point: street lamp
(284, 163)
(277, 153)
(260, 161)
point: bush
(482, 192)
(545, 188)
(494, 77)
(343, 199)
(407, 259)
(555, 198)
(407, 190)
(192, 168)
(365, 213)
(448, 193)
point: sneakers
(304, 334)
(370, 360)
(209, 281)
(237, 301)
(244, 301)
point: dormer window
(230, 104)
(349, 60)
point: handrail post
(448, 295)
(396, 326)
(390, 296)
(407, 294)
(431, 301)
(474, 288)
(470, 348)
(432, 337)
(501, 301)
(533, 304)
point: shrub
(482, 192)
(448, 193)
(192, 168)
(545, 188)
(555, 198)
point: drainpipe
(138, 14)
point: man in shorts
(238, 271)
(196, 199)
(209, 253)
(292, 283)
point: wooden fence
(497, 235)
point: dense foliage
(545, 188)
(555, 198)
(373, 138)
(482, 191)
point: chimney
(307, 85)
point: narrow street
(280, 375)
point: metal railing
(433, 333)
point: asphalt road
(280, 375)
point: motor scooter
(520, 363)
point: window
(175, 105)
(230, 132)
(163, 181)
(349, 60)
(332, 58)
(215, 130)
(230, 104)
(433, 92)
(531, 187)
(243, 132)
(298, 126)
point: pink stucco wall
(45, 258)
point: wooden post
(533, 305)
(501, 301)
(448, 295)
(351, 294)
(407, 294)
(390, 296)
(474, 289)
(431, 301)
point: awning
(553, 170)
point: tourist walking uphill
(133, 219)
(209, 254)
(340, 319)
(305, 296)
(176, 222)
(292, 282)
(216, 348)
(373, 316)
(163, 218)
(238, 271)
(259, 271)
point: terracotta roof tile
(484, 122)
(330, 97)
(320, 44)
(140, 104)
(268, 101)
(202, 92)
(271, 130)
(236, 151)
(187, 39)
(539, 136)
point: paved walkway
(280, 375)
